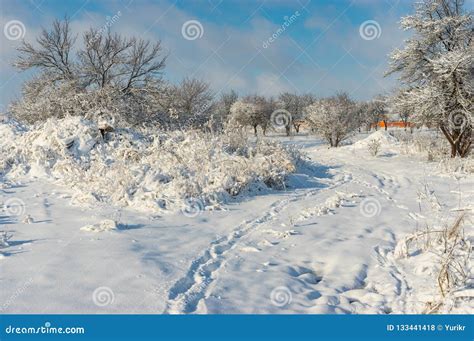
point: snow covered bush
(4, 239)
(444, 254)
(436, 70)
(431, 145)
(333, 118)
(439, 253)
(44, 98)
(374, 147)
(146, 170)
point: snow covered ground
(324, 244)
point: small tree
(261, 115)
(193, 102)
(398, 102)
(375, 111)
(243, 114)
(109, 74)
(226, 101)
(380, 106)
(222, 110)
(295, 105)
(334, 118)
(304, 101)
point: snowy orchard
(350, 233)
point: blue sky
(321, 51)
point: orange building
(395, 124)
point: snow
(382, 136)
(325, 243)
(104, 225)
(148, 171)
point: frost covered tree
(221, 110)
(105, 58)
(404, 111)
(304, 101)
(377, 111)
(244, 113)
(436, 68)
(44, 97)
(194, 97)
(111, 59)
(295, 105)
(115, 70)
(53, 52)
(253, 111)
(225, 103)
(334, 118)
(266, 108)
(189, 104)
(291, 103)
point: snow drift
(145, 170)
(386, 140)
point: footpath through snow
(325, 244)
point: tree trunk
(450, 140)
(330, 142)
(460, 141)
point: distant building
(394, 124)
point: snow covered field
(329, 242)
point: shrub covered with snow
(146, 170)
(334, 118)
(433, 147)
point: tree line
(107, 76)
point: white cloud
(233, 56)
